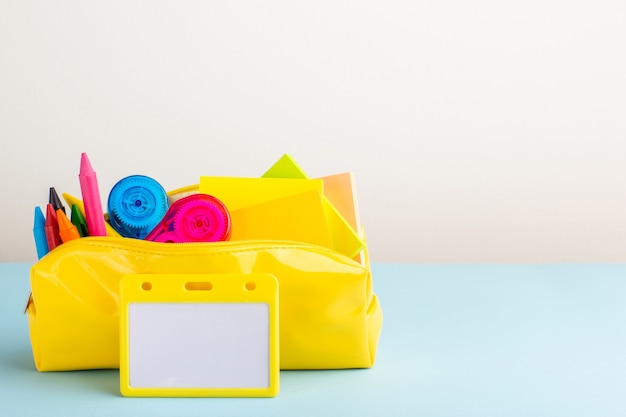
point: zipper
(186, 247)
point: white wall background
(482, 131)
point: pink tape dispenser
(195, 218)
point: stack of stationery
(283, 204)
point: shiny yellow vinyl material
(329, 316)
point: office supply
(330, 317)
(91, 197)
(285, 167)
(72, 200)
(199, 335)
(345, 239)
(55, 200)
(52, 228)
(341, 192)
(79, 221)
(272, 208)
(237, 193)
(195, 218)
(135, 205)
(67, 231)
(39, 232)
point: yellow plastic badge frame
(199, 335)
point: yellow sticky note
(273, 208)
(345, 237)
(340, 190)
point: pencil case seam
(206, 251)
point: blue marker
(40, 233)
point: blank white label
(198, 345)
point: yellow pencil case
(329, 316)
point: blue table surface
(457, 340)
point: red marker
(52, 228)
(91, 197)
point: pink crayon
(91, 197)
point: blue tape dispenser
(136, 204)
